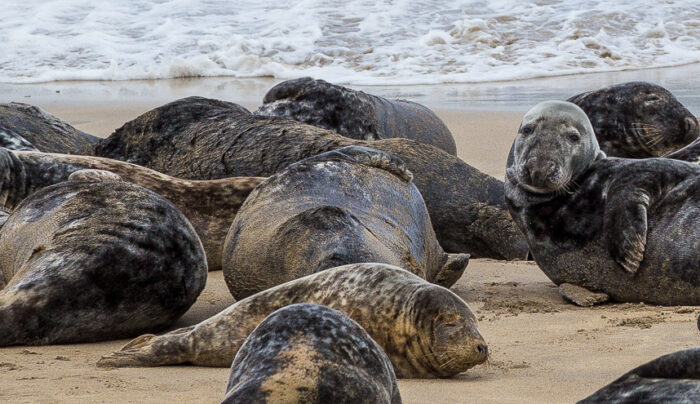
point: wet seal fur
(672, 378)
(466, 206)
(355, 114)
(623, 227)
(95, 260)
(336, 208)
(638, 120)
(426, 330)
(30, 128)
(209, 205)
(306, 353)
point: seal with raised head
(672, 378)
(306, 353)
(638, 120)
(426, 330)
(95, 259)
(209, 205)
(26, 127)
(355, 114)
(336, 208)
(623, 227)
(466, 206)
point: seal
(672, 378)
(92, 260)
(355, 114)
(638, 120)
(306, 353)
(466, 206)
(333, 209)
(426, 330)
(623, 227)
(26, 127)
(209, 205)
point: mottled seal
(306, 353)
(623, 227)
(336, 208)
(466, 206)
(90, 260)
(209, 205)
(672, 378)
(355, 114)
(638, 120)
(426, 330)
(26, 127)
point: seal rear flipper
(625, 226)
(150, 350)
(581, 296)
(366, 156)
(451, 270)
(496, 230)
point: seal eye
(526, 130)
(574, 137)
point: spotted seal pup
(27, 127)
(466, 206)
(306, 353)
(623, 227)
(209, 205)
(336, 208)
(355, 114)
(638, 120)
(426, 330)
(672, 378)
(95, 259)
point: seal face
(311, 354)
(623, 227)
(95, 260)
(638, 120)
(333, 209)
(355, 114)
(672, 378)
(425, 330)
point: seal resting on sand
(90, 260)
(466, 206)
(355, 114)
(638, 120)
(672, 378)
(345, 206)
(426, 330)
(623, 227)
(306, 353)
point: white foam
(354, 42)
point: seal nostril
(483, 349)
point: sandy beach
(541, 348)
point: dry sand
(541, 348)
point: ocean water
(351, 42)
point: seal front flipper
(94, 175)
(581, 296)
(625, 226)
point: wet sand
(541, 348)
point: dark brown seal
(345, 206)
(306, 353)
(95, 260)
(355, 114)
(426, 330)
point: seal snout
(691, 128)
(540, 173)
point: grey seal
(426, 330)
(355, 114)
(623, 227)
(306, 353)
(345, 206)
(91, 260)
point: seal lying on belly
(209, 205)
(624, 227)
(306, 353)
(672, 378)
(345, 206)
(26, 127)
(638, 120)
(355, 114)
(426, 330)
(466, 206)
(87, 260)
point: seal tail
(150, 350)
